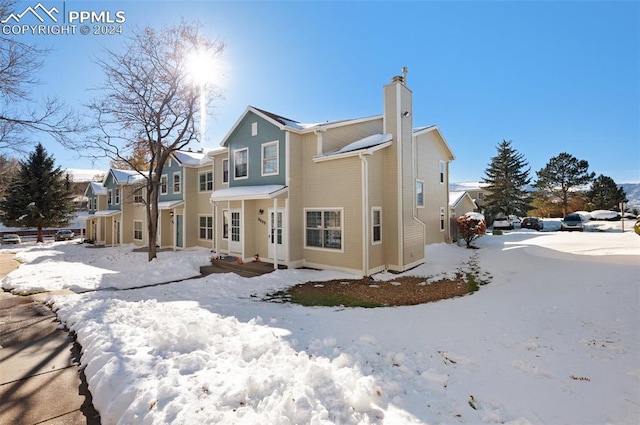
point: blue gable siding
(242, 138)
(110, 184)
(169, 170)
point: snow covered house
(113, 214)
(360, 195)
(460, 203)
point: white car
(11, 239)
(502, 223)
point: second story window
(225, 171)
(205, 182)
(117, 192)
(110, 197)
(177, 183)
(270, 158)
(241, 160)
(441, 171)
(419, 193)
(164, 185)
(137, 196)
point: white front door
(276, 234)
(235, 228)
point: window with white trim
(419, 193)
(225, 224)
(270, 158)
(442, 217)
(225, 171)
(164, 184)
(137, 196)
(240, 163)
(323, 228)
(254, 128)
(206, 227)
(441, 171)
(177, 182)
(117, 194)
(137, 230)
(205, 181)
(110, 196)
(376, 225)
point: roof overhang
(243, 193)
(434, 128)
(106, 213)
(367, 151)
(168, 205)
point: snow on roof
(107, 213)
(167, 205)
(367, 142)
(468, 186)
(424, 127)
(126, 176)
(189, 158)
(98, 188)
(455, 197)
(248, 192)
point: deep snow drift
(553, 338)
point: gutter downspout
(365, 212)
(319, 147)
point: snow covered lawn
(553, 338)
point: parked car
(532, 223)
(572, 222)
(502, 222)
(11, 238)
(636, 227)
(515, 220)
(64, 235)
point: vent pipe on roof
(401, 78)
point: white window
(442, 217)
(137, 196)
(480, 195)
(254, 129)
(323, 228)
(225, 171)
(225, 224)
(270, 158)
(206, 227)
(240, 163)
(376, 225)
(419, 193)
(117, 192)
(164, 184)
(205, 181)
(137, 230)
(441, 171)
(177, 182)
(110, 196)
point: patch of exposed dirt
(403, 290)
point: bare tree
(9, 168)
(150, 104)
(20, 113)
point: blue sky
(550, 76)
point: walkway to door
(230, 264)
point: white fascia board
(368, 151)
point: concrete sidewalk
(40, 381)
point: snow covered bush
(471, 226)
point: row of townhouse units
(359, 195)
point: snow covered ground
(553, 338)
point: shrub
(471, 226)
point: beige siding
(321, 181)
(430, 151)
(301, 150)
(139, 213)
(377, 178)
(337, 138)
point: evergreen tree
(506, 178)
(562, 174)
(605, 194)
(40, 196)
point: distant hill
(631, 189)
(79, 175)
(633, 194)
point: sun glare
(202, 67)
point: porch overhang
(169, 205)
(245, 193)
(106, 213)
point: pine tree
(561, 175)
(40, 196)
(506, 178)
(605, 194)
